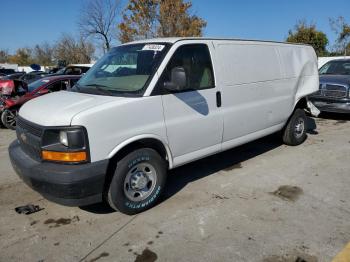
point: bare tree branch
(98, 18)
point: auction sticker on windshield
(153, 47)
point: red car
(9, 106)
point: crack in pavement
(108, 238)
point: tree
(4, 56)
(22, 57)
(98, 19)
(144, 19)
(43, 54)
(139, 19)
(342, 29)
(308, 34)
(73, 51)
(175, 20)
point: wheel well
(143, 143)
(302, 103)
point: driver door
(193, 117)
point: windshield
(124, 70)
(336, 68)
(34, 85)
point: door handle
(218, 99)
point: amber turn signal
(64, 156)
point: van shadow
(194, 100)
(98, 208)
(311, 126)
(178, 178)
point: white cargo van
(149, 106)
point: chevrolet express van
(153, 105)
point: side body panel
(193, 120)
(261, 83)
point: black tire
(1, 124)
(8, 118)
(294, 132)
(121, 196)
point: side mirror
(178, 79)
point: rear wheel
(8, 118)
(138, 181)
(295, 131)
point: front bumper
(331, 106)
(70, 185)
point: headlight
(66, 144)
(64, 138)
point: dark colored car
(7, 71)
(334, 91)
(32, 76)
(10, 106)
(72, 70)
(13, 76)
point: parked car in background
(154, 105)
(73, 69)
(54, 70)
(33, 76)
(6, 71)
(333, 94)
(13, 76)
(12, 87)
(11, 105)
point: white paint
(260, 83)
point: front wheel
(295, 131)
(138, 181)
(8, 118)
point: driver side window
(196, 61)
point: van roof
(173, 40)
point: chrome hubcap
(299, 127)
(140, 182)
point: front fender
(140, 137)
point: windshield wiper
(101, 89)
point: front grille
(29, 127)
(334, 91)
(29, 137)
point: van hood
(58, 109)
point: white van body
(260, 82)
(256, 88)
